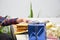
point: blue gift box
(37, 31)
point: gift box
(37, 31)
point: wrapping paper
(36, 31)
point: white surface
(54, 20)
(20, 8)
(22, 37)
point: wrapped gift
(20, 28)
(5, 29)
(37, 31)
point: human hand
(19, 20)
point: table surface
(22, 37)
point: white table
(22, 37)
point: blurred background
(21, 8)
